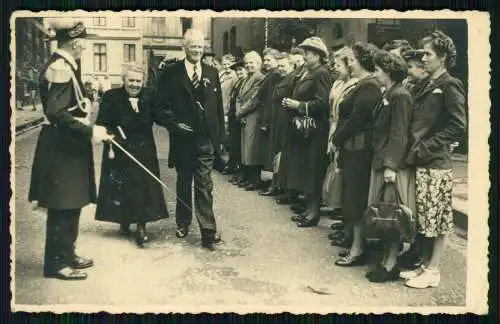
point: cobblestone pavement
(266, 259)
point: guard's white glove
(100, 134)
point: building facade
(32, 51)
(162, 38)
(238, 35)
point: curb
(29, 125)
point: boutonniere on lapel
(385, 102)
(207, 83)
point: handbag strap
(385, 186)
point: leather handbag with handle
(304, 124)
(389, 219)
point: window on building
(187, 23)
(225, 42)
(100, 58)
(99, 21)
(128, 22)
(232, 39)
(158, 25)
(129, 52)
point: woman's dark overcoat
(267, 119)
(127, 194)
(303, 160)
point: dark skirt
(304, 161)
(127, 194)
(356, 171)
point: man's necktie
(196, 79)
(133, 102)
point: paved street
(266, 259)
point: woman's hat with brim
(238, 64)
(66, 30)
(315, 44)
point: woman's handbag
(332, 193)
(389, 220)
(304, 124)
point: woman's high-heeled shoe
(309, 221)
(351, 261)
(142, 236)
(297, 218)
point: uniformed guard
(62, 178)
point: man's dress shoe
(208, 242)
(82, 263)
(181, 232)
(67, 273)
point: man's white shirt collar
(68, 57)
(190, 68)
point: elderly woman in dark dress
(305, 156)
(127, 194)
(439, 119)
(353, 136)
(390, 144)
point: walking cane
(149, 172)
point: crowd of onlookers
(388, 119)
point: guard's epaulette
(58, 72)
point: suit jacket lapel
(186, 81)
(208, 86)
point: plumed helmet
(68, 28)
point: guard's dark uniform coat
(63, 171)
(127, 194)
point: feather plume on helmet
(66, 29)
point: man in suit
(62, 178)
(189, 105)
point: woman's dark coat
(354, 137)
(439, 119)
(267, 119)
(127, 194)
(303, 160)
(392, 125)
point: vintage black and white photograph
(250, 161)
